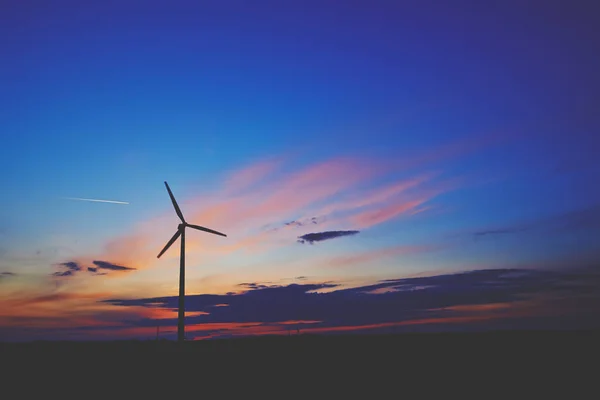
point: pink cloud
(242, 216)
(237, 215)
(133, 250)
(251, 176)
(316, 183)
(374, 217)
(339, 192)
(377, 196)
(454, 149)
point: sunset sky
(453, 147)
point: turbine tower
(181, 232)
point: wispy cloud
(377, 254)
(376, 196)
(251, 176)
(267, 205)
(502, 231)
(370, 218)
(581, 219)
(58, 297)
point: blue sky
(494, 105)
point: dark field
(538, 360)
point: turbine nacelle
(181, 227)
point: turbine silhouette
(181, 232)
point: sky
(376, 166)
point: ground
(488, 363)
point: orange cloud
(54, 310)
(221, 328)
(476, 308)
(53, 298)
(298, 322)
(132, 250)
(424, 321)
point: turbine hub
(181, 227)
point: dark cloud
(305, 222)
(71, 268)
(5, 275)
(503, 231)
(397, 300)
(293, 223)
(321, 236)
(94, 271)
(296, 223)
(71, 265)
(63, 273)
(111, 266)
(257, 285)
(253, 285)
(74, 267)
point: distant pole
(157, 332)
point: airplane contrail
(97, 200)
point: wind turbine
(181, 232)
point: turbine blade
(201, 228)
(173, 239)
(177, 210)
